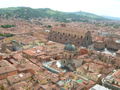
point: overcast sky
(100, 7)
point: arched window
(81, 37)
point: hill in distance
(112, 18)
(29, 13)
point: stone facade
(73, 36)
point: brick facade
(78, 37)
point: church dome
(70, 47)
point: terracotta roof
(117, 79)
(99, 38)
(19, 86)
(28, 66)
(19, 77)
(117, 74)
(6, 67)
(17, 56)
(34, 51)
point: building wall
(109, 44)
(99, 45)
(87, 39)
(65, 38)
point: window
(60, 38)
(81, 37)
(64, 61)
(75, 36)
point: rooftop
(34, 51)
(19, 77)
(99, 87)
(70, 47)
(117, 74)
(6, 67)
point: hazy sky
(100, 7)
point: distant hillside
(89, 15)
(112, 18)
(28, 13)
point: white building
(99, 87)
